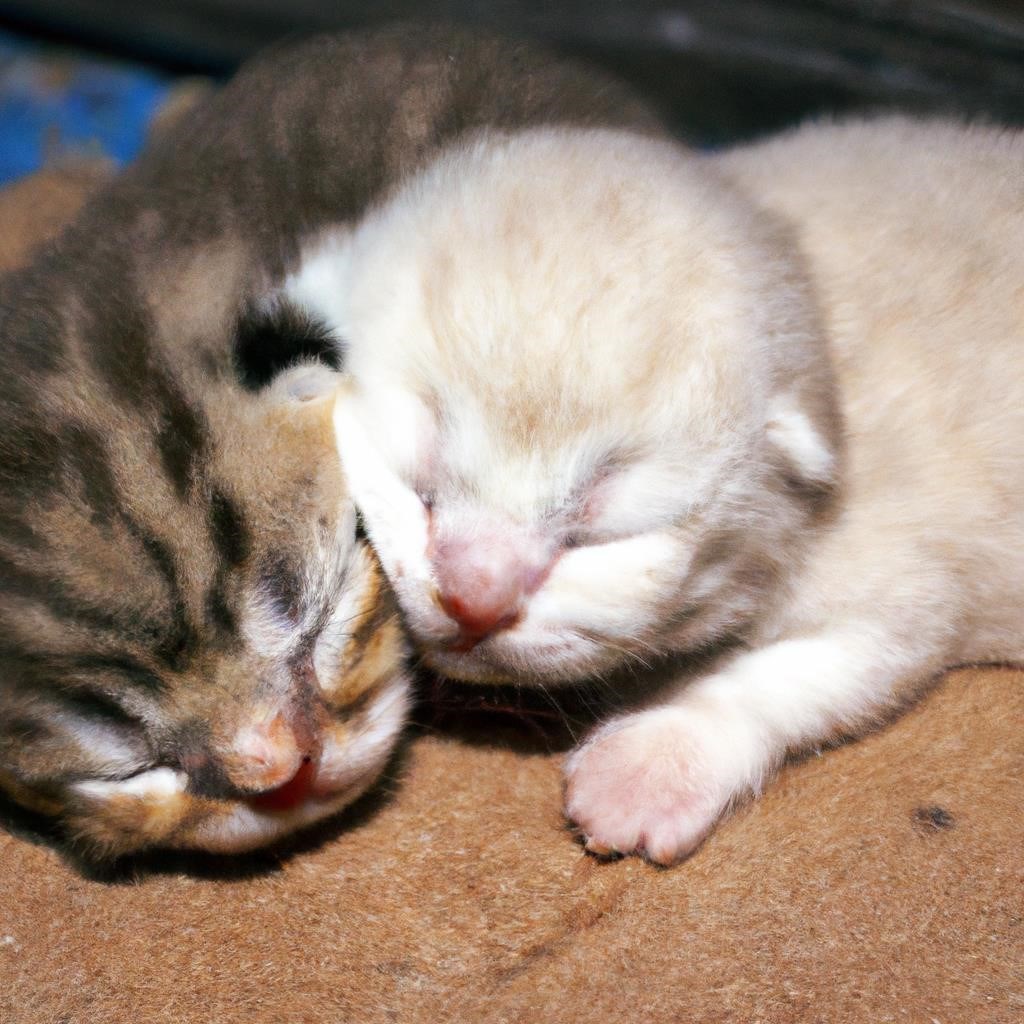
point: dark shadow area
(524, 719)
(536, 718)
(28, 825)
(722, 70)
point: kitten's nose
(493, 610)
(483, 578)
(275, 759)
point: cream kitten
(610, 400)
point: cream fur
(631, 366)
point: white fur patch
(319, 284)
(155, 784)
(104, 744)
(794, 434)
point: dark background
(723, 70)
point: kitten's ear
(301, 400)
(808, 446)
(306, 383)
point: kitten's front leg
(656, 781)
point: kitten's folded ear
(305, 383)
(298, 411)
(301, 400)
(808, 445)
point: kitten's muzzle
(275, 752)
(277, 763)
(484, 577)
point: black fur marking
(36, 462)
(24, 730)
(118, 334)
(382, 610)
(85, 452)
(206, 775)
(359, 641)
(85, 680)
(176, 648)
(269, 341)
(126, 668)
(171, 643)
(94, 703)
(18, 533)
(29, 460)
(177, 643)
(207, 778)
(121, 351)
(361, 536)
(181, 438)
(229, 529)
(219, 612)
(57, 599)
(283, 583)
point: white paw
(655, 783)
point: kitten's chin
(502, 659)
(243, 828)
(465, 668)
(353, 758)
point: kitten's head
(196, 649)
(589, 416)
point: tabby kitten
(611, 401)
(196, 648)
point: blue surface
(56, 104)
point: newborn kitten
(611, 401)
(196, 649)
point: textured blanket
(880, 881)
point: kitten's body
(914, 233)
(195, 649)
(612, 401)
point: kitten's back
(914, 233)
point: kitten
(196, 649)
(611, 401)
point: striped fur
(179, 563)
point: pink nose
(484, 577)
(275, 757)
(493, 611)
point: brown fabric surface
(882, 881)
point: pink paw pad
(645, 785)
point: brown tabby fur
(144, 493)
